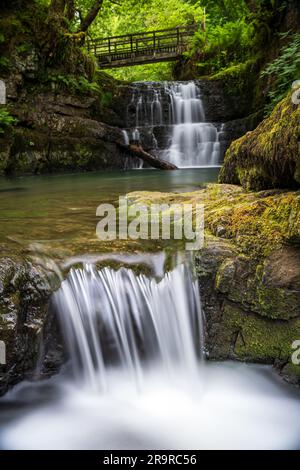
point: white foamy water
(177, 110)
(131, 320)
(139, 380)
(229, 406)
(194, 142)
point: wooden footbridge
(141, 48)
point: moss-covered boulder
(269, 156)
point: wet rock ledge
(24, 320)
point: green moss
(267, 157)
(254, 177)
(297, 171)
(238, 77)
(225, 275)
(256, 222)
(292, 371)
(259, 339)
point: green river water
(56, 215)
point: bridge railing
(150, 42)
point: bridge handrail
(189, 29)
(161, 44)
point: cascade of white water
(175, 110)
(125, 137)
(130, 320)
(194, 142)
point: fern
(6, 120)
(78, 85)
(284, 70)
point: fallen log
(135, 150)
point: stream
(137, 375)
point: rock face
(58, 128)
(249, 315)
(232, 110)
(25, 294)
(268, 157)
(60, 131)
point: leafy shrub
(223, 45)
(284, 70)
(6, 120)
(106, 98)
(4, 63)
(78, 85)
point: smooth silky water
(170, 117)
(137, 378)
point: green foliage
(6, 120)
(150, 72)
(25, 47)
(4, 63)
(230, 33)
(75, 84)
(284, 71)
(224, 45)
(106, 98)
(130, 16)
(237, 76)
(236, 32)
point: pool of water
(58, 213)
(229, 406)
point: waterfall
(173, 113)
(194, 142)
(135, 344)
(130, 321)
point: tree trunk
(135, 150)
(87, 21)
(70, 9)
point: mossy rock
(246, 336)
(269, 156)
